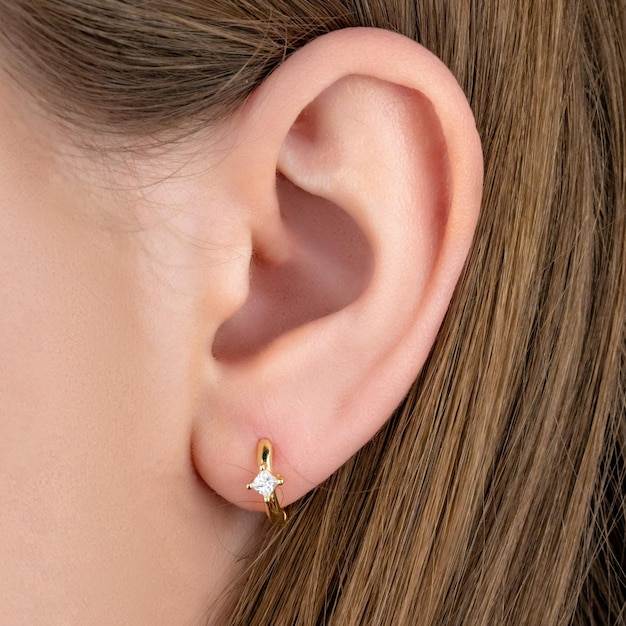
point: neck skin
(103, 335)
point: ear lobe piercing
(265, 483)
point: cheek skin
(102, 513)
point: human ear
(361, 166)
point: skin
(103, 514)
(122, 416)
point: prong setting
(265, 483)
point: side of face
(282, 275)
(103, 332)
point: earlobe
(366, 148)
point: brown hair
(496, 493)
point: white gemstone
(265, 483)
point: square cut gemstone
(265, 483)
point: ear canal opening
(330, 265)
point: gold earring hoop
(265, 483)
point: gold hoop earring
(265, 483)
